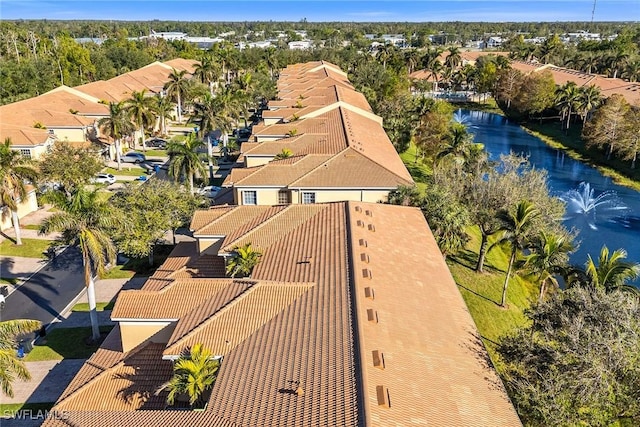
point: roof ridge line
(215, 315)
(259, 226)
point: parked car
(156, 143)
(103, 178)
(210, 191)
(133, 157)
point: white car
(210, 191)
(103, 178)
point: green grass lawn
(156, 153)
(83, 307)
(126, 170)
(4, 281)
(31, 226)
(119, 272)
(64, 343)
(419, 171)
(30, 248)
(482, 291)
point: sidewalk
(50, 378)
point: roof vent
(378, 359)
(366, 273)
(368, 293)
(363, 242)
(382, 394)
(360, 223)
(372, 315)
(364, 257)
(371, 227)
(368, 213)
(358, 209)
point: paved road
(49, 291)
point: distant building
(167, 35)
(300, 45)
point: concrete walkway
(50, 378)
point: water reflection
(614, 216)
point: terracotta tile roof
(29, 112)
(232, 220)
(307, 143)
(24, 135)
(238, 174)
(187, 65)
(221, 329)
(146, 418)
(349, 169)
(280, 173)
(204, 217)
(171, 302)
(420, 322)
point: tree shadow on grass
(469, 259)
(478, 295)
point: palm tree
(454, 59)
(589, 98)
(15, 169)
(207, 71)
(612, 272)
(516, 229)
(243, 260)
(177, 88)
(617, 61)
(194, 373)
(632, 71)
(567, 98)
(140, 110)
(116, 125)
(186, 160)
(162, 107)
(460, 147)
(284, 154)
(11, 367)
(548, 257)
(85, 220)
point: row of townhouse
(339, 149)
(351, 318)
(72, 114)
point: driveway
(45, 295)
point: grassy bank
(572, 143)
(30, 248)
(65, 343)
(482, 291)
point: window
(249, 198)
(308, 198)
(283, 197)
(26, 153)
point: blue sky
(326, 10)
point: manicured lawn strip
(7, 409)
(482, 292)
(126, 170)
(31, 227)
(4, 281)
(83, 307)
(155, 153)
(572, 143)
(118, 272)
(30, 248)
(64, 343)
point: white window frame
(253, 193)
(310, 194)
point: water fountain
(583, 203)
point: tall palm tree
(177, 88)
(243, 260)
(15, 170)
(162, 108)
(617, 61)
(516, 232)
(632, 71)
(453, 59)
(85, 220)
(567, 98)
(548, 257)
(612, 272)
(140, 109)
(185, 159)
(194, 373)
(589, 98)
(208, 71)
(12, 368)
(117, 125)
(459, 148)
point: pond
(602, 212)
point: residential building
(345, 322)
(339, 149)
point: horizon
(425, 11)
